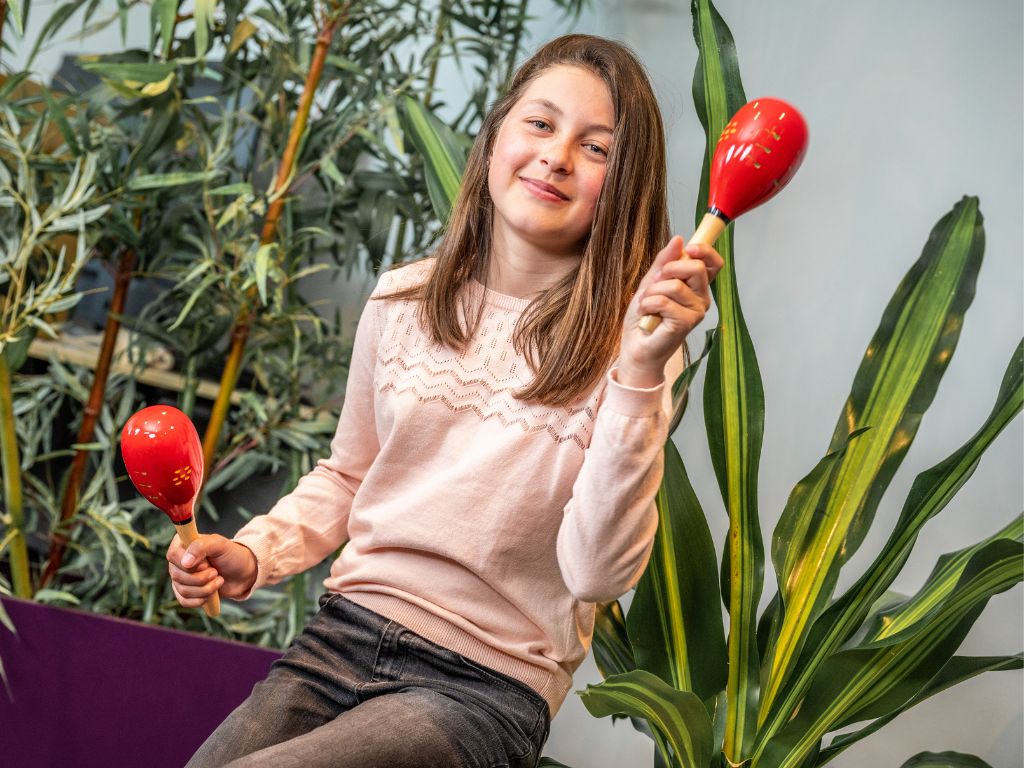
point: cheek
(589, 190)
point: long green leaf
(164, 180)
(57, 20)
(681, 386)
(733, 397)
(902, 618)
(930, 493)
(675, 619)
(869, 678)
(164, 13)
(152, 72)
(612, 652)
(443, 157)
(204, 20)
(894, 386)
(678, 715)
(17, 16)
(957, 670)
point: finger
(189, 600)
(673, 314)
(206, 546)
(690, 271)
(200, 593)
(198, 578)
(673, 251)
(712, 260)
(681, 294)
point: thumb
(672, 251)
(206, 545)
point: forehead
(572, 90)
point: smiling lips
(542, 190)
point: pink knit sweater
(487, 525)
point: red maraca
(756, 156)
(164, 459)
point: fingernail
(188, 560)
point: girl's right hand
(211, 564)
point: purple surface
(92, 690)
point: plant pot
(90, 690)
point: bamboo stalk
(97, 393)
(20, 578)
(286, 170)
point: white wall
(910, 105)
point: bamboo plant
(192, 181)
(42, 196)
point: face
(549, 160)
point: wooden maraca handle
(710, 228)
(188, 533)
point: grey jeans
(357, 689)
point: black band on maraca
(186, 521)
(718, 212)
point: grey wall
(910, 105)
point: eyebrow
(554, 108)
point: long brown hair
(570, 332)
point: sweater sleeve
(609, 524)
(312, 521)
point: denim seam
(376, 656)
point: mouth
(542, 190)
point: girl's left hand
(678, 290)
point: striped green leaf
(866, 680)
(612, 652)
(733, 397)
(675, 619)
(678, 716)
(681, 386)
(892, 389)
(929, 494)
(901, 619)
(443, 157)
(957, 670)
(945, 760)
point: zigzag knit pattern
(480, 381)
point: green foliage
(173, 151)
(778, 684)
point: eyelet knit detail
(484, 379)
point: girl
(497, 457)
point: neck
(522, 269)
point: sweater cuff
(632, 401)
(261, 551)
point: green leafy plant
(768, 690)
(245, 152)
(43, 196)
(765, 692)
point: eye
(540, 124)
(597, 149)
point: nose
(557, 156)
